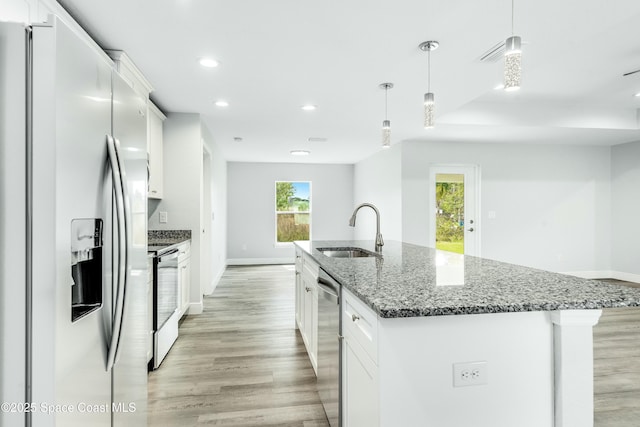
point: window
(293, 211)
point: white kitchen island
(436, 339)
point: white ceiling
(280, 54)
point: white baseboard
(629, 277)
(195, 308)
(259, 261)
(605, 274)
(216, 280)
(595, 274)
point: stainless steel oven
(165, 304)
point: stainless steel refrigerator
(73, 182)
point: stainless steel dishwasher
(329, 347)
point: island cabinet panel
(412, 381)
(307, 306)
(360, 385)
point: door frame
(472, 174)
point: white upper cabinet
(155, 118)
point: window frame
(277, 212)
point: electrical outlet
(164, 217)
(470, 373)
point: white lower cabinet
(311, 317)
(360, 390)
(299, 291)
(307, 304)
(360, 386)
(184, 276)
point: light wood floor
(241, 363)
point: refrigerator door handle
(125, 237)
(121, 219)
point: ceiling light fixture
(209, 62)
(512, 59)
(386, 124)
(222, 103)
(429, 99)
(637, 94)
(309, 107)
(300, 152)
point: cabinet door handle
(307, 289)
(355, 317)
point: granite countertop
(409, 280)
(159, 241)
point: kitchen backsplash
(167, 236)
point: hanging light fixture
(429, 99)
(512, 59)
(386, 124)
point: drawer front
(360, 322)
(184, 251)
(298, 259)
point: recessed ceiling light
(309, 107)
(300, 152)
(317, 139)
(209, 62)
(222, 103)
(237, 139)
(637, 94)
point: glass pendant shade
(429, 106)
(386, 134)
(512, 64)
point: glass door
(453, 222)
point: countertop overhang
(410, 281)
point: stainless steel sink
(343, 252)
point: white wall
(552, 203)
(625, 202)
(182, 169)
(251, 207)
(216, 219)
(378, 180)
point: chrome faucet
(352, 223)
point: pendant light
(512, 59)
(386, 124)
(429, 99)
